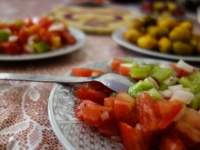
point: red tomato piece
(167, 111)
(171, 141)
(23, 35)
(109, 101)
(82, 72)
(180, 72)
(134, 139)
(116, 64)
(124, 70)
(95, 114)
(124, 109)
(109, 128)
(99, 87)
(147, 113)
(10, 48)
(34, 29)
(96, 96)
(68, 38)
(45, 22)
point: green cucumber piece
(41, 47)
(163, 86)
(195, 103)
(140, 72)
(4, 35)
(155, 94)
(185, 82)
(194, 77)
(195, 88)
(162, 74)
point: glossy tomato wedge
(96, 96)
(115, 64)
(94, 114)
(147, 113)
(134, 139)
(167, 111)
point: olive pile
(164, 34)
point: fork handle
(43, 78)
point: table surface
(24, 121)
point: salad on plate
(34, 36)
(159, 111)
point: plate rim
(117, 37)
(62, 51)
(53, 122)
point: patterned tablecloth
(24, 120)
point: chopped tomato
(68, 38)
(124, 108)
(146, 111)
(95, 114)
(10, 48)
(45, 22)
(82, 72)
(99, 87)
(167, 111)
(180, 72)
(134, 139)
(124, 70)
(109, 101)
(93, 95)
(109, 128)
(116, 64)
(171, 141)
(23, 35)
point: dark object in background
(192, 5)
(126, 1)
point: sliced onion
(105, 115)
(176, 87)
(56, 27)
(182, 95)
(185, 66)
(13, 38)
(166, 93)
(171, 80)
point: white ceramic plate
(79, 35)
(72, 133)
(117, 36)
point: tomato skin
(180, 72)
(171, 141)
(23, 35)
(93, 95)
(45, 22)
(116, 64)
(92, 113)
(124, 70)
(81, 72)
(68, 38)
(147, 113)
(167, 115)
(134, 139)
(10, 48)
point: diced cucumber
(163, 86)
(185, 82)
(41, 47)
(194, 77)
(195, 103)
(4, 35)
(162, 74)
(140, 72)
(142, 85)
(155, 94)
(195, 88)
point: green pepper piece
(4, 35)
(41, 47)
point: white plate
(72, 133)
(79, 35)
(117, 36)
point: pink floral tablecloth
(24, 120)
